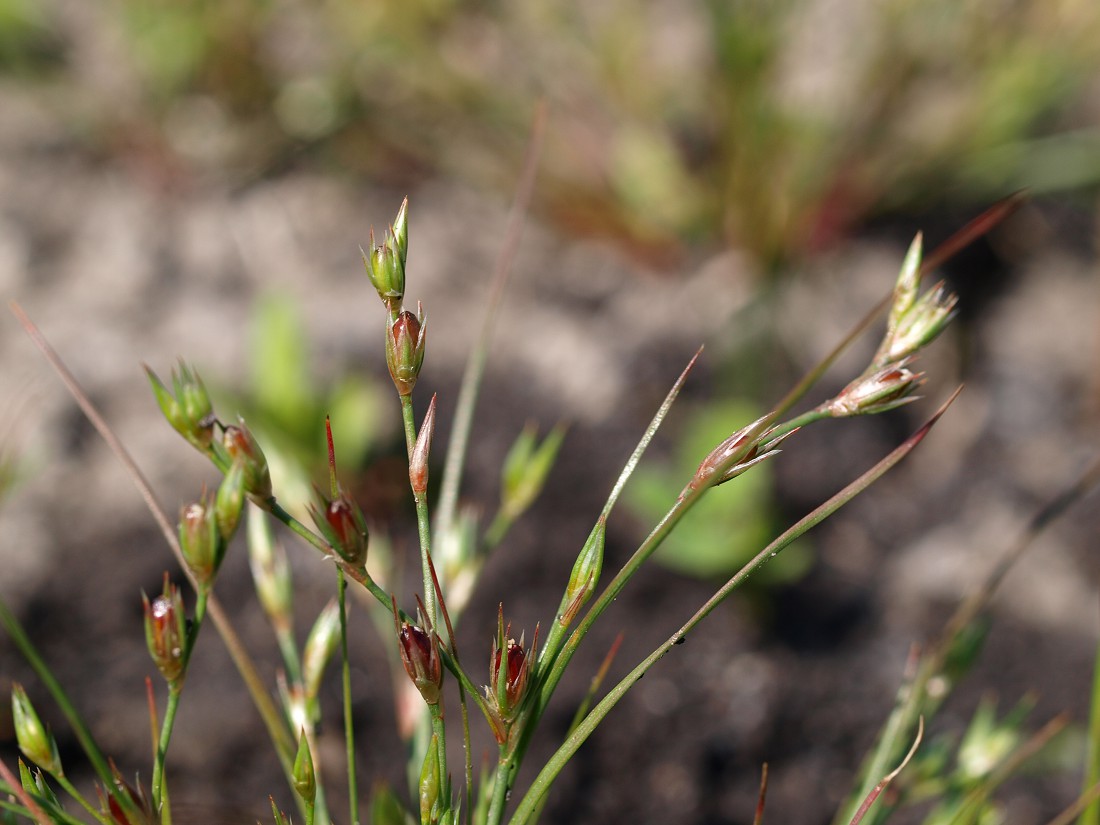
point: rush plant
(525, 665)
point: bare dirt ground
(118, 271)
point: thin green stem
(803, 420)
(175, 690)
(501, 782)
(358, 575)
(349, 727)
(423, 523)
(170, 709)
(557, 630)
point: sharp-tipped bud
(419, 649)
(166, 631)
(200, 540)
(189, 410)
(418, 462)
(127, 805)
(400, 231)
(405, 349)
(882, 390)
(585, 575)
(303, 777)
(36, 743)
(241, 447)
(905, 290)
(321, 644)
(914, 322)
(229, 501)
(510, 666)
(526, 467)
(431, 784)
(386, 263)
(343, 525)
(270, 571)
(922, 324)
(716, 469)
(280, 816)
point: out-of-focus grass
(774, 125)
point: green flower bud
(386, 263)
(584, 576)
(303, 776)
(200, 540)
(241, 447)
(430, 784)
(189, 411)
(36, 743)
(229, 501)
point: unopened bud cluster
(385, 265)
(915, 320)
(189, 410)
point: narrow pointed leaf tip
(890, 777)
(418, 462)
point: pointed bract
(418, 463)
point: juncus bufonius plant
(525, 666)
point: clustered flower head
(915, 320)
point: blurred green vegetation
(286, 403)
(774, 125)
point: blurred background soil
(741, 175)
